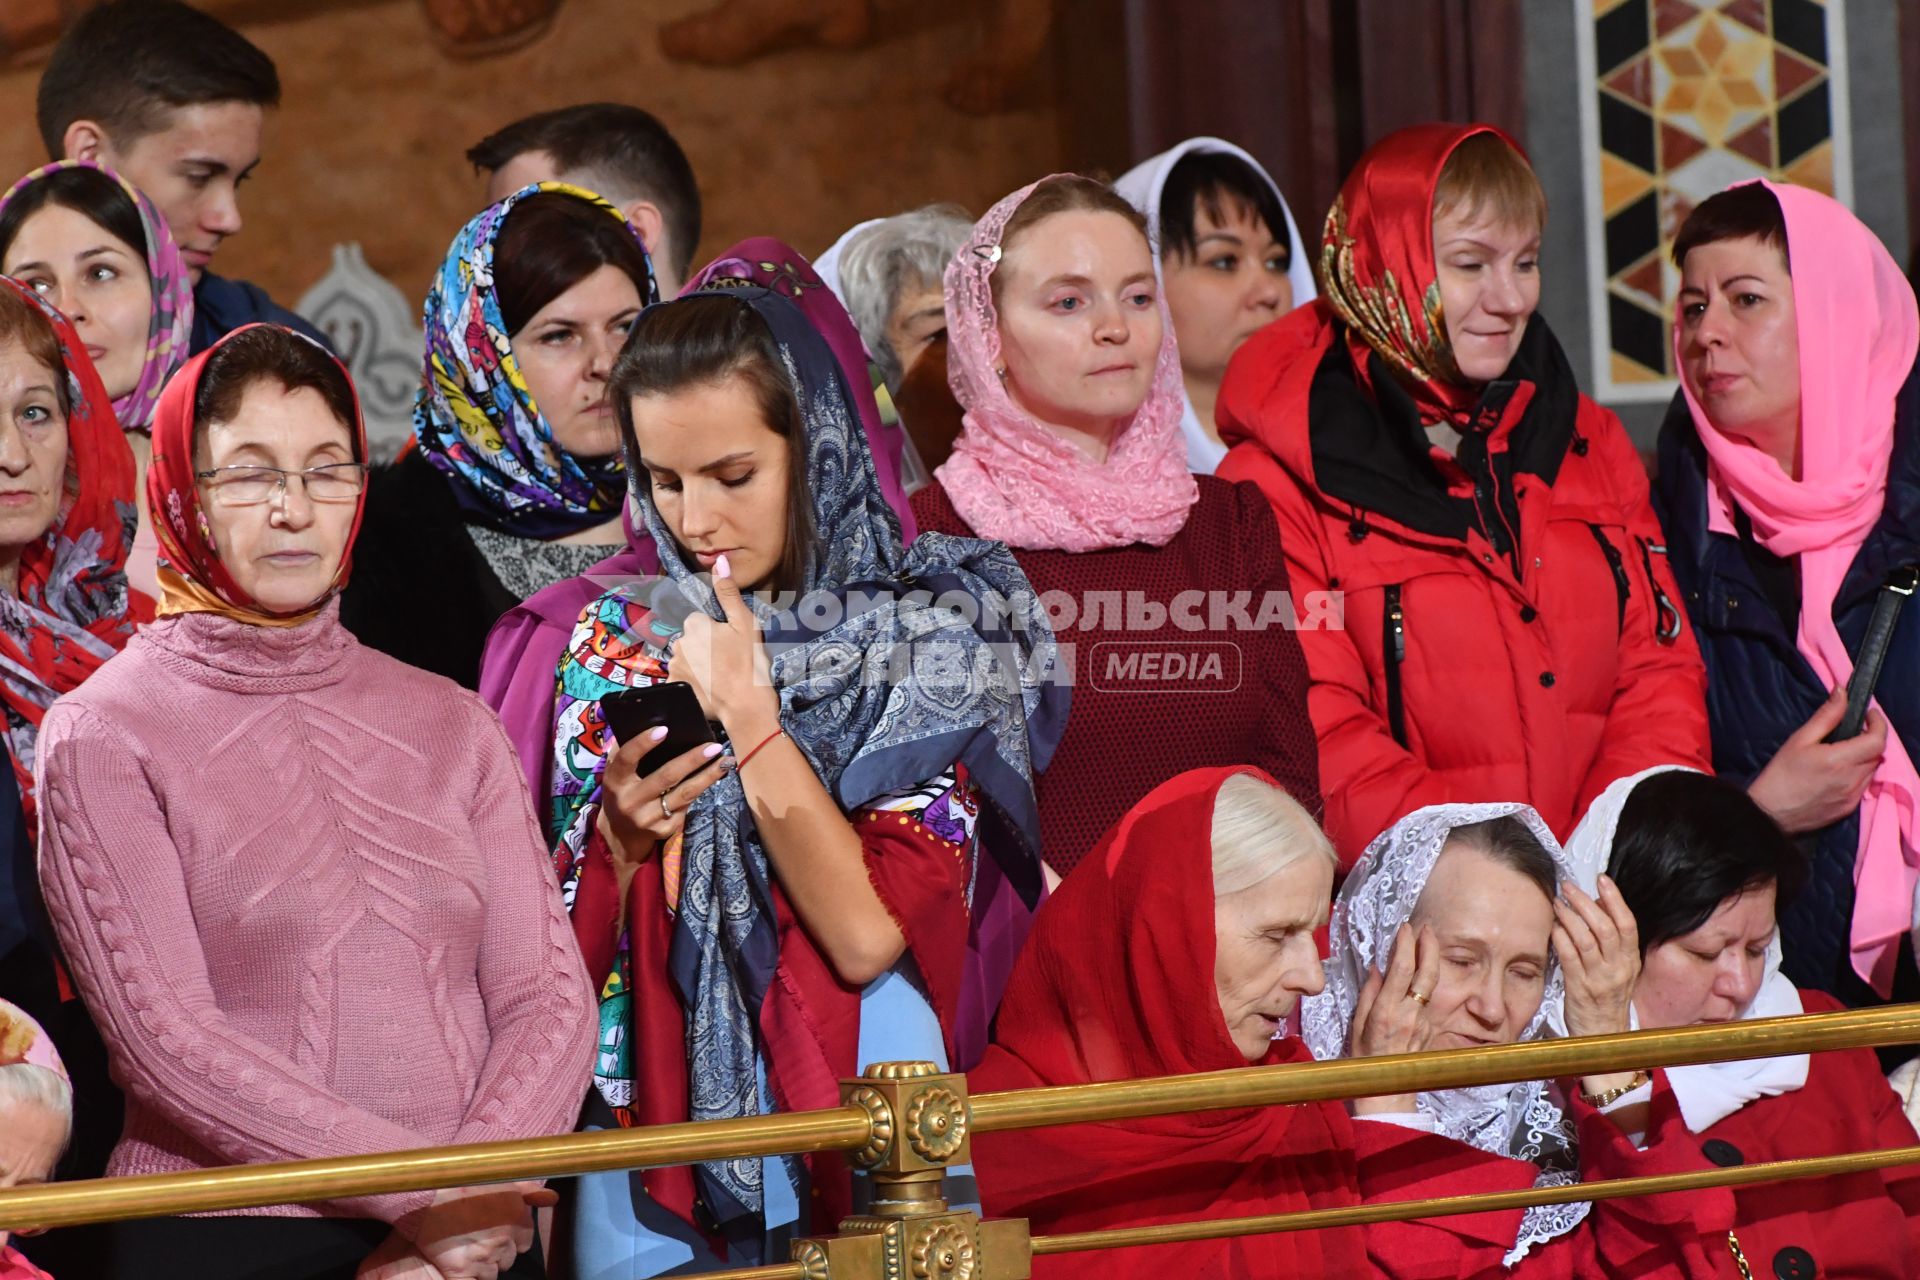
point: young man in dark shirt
(174, 101)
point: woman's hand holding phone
(638, 812)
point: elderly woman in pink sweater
(300, 884)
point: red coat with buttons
(1862, 1226)
(1511, 630)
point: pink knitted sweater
(301, 888)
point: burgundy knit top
(1180, 661)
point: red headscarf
(192, 579)
(73, 609)
(1378, 269)
(1117, 982)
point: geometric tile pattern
(1679, 99)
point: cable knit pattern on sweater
(303, 892)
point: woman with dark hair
(1170, 587)
(1705, 871)
(1790, 490)
(295, 948)
(85, 240)
(770, 912)
(515, 482)
(1230, 259)
(1429, 456)
(516, 668)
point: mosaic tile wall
(1680, 98)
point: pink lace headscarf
(1015, 479)
(1859, 329)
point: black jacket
(420, 589)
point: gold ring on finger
(664, 811)
(1421, 996)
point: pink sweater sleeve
(540, 1005)
(117, 894)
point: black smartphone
(674, 704)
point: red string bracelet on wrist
(756, 750)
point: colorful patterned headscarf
(171, 327)
(1015, 479)
(773, 264)
(192, 579)
(1378, 269)
(22, 1039)
(475, 418)
(72, 609)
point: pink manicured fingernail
(657, 734)
(721, 569)
(713, 749)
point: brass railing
(905, 1123)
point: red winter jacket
(1537, 651)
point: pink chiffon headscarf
(1859, 329)
(1013, 478)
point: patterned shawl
(171, 327)
(1014, 478)
(475, 418)
(1527, 1121)
(72, 610)
(980, 690)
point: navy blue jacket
(1759, 687)
(220, 306)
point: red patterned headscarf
(72, 608)
(192, 579)
(1378, 270)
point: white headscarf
(827, 265)
(1142, 186)
(1527, 1121)
(1712, 1091)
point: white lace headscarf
(1527, 1121)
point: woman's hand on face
(1811, 783)
(638, 814)
(1391, 1014)
(1598, 944)
(727, 665)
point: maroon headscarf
(1117, 982)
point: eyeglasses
(251, 486)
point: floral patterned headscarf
(71, 609)
(1378, 270)
(475, 418)
(171, 326)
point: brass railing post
(920, 1127)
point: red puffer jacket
(1511, 630)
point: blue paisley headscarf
(984, 691)
(476, 420)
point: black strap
(1898, 589)
(1394, 649)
